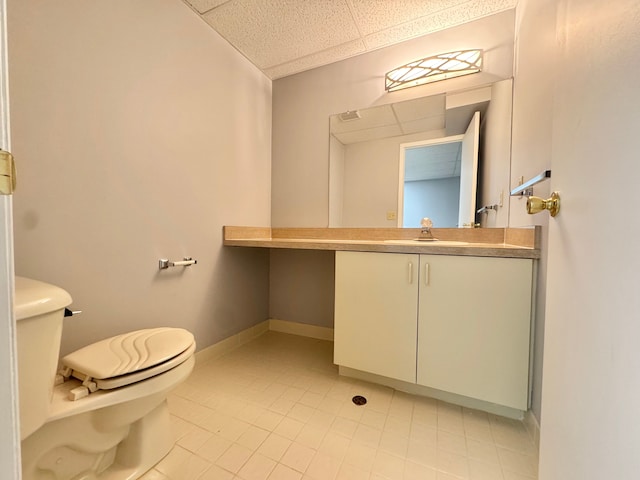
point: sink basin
(435, 243)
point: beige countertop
(478, 242)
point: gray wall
(139, 132)
(437, 199)
(302, 286)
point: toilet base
(100, 444)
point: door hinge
(7, 173)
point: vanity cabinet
(459, 324)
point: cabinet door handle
(410, 270)
(426, 274)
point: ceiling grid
(284, 37)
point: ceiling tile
(428, 172)
(284, 37)
(448, 151)
(324, 57)
(272, 32)
(369, 134)
(430, 162)
(203, 6)
(418, 108)
(427, 169)
(369, 118)
(376, 15)
(423, 125)
(450, 17)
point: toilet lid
(130, 353)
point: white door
(469, 173)
(9, 429)
(590, 425)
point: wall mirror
(380, 173)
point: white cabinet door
(473, 327)
(376, 307)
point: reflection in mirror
(438, 179)
(365, 156)
(429, 183)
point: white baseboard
(533, 427)
(302, 329)
(231, 343)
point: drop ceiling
(284, 37)
(433, 162)
(403, 118)
(419, 115)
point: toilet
(100, 412)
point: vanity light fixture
(433, 69)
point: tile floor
(276, 409)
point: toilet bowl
(101, 412)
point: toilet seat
(125, 359)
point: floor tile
(360, 455)
(282, 472)
(234, 458)
(276, 409)
(289, 428)
(253, 437)
(517, 462)
(335, 445)
(323, 467)
(194, 439)
(268, 420)
(484, 471)
(213, 448)
(154, 475)
(388, 465)
(344, 426)
(180, 463)
(452, 443)
(417, 471)
(367, 435)
(457, 465)
(258, 467)
(216, 473)
(274, 447)
(350, 472)
(311, 436)
(298, 457)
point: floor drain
(359, 400)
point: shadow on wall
(302, 286)
(239, 293)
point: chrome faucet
(425, 233)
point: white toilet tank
(39, 309)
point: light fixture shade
(433, 69)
